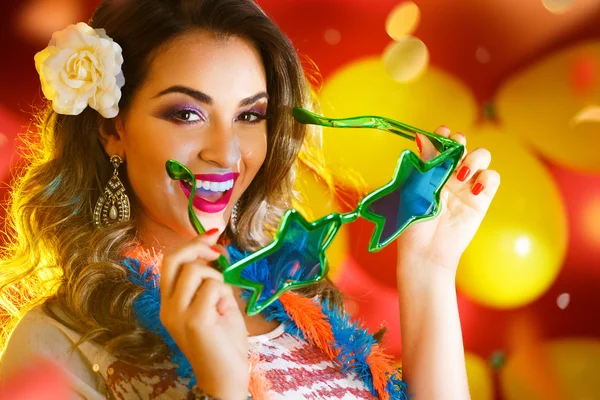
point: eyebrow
(204, 98)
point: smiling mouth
(213, 192)
(210, 194)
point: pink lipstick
(204, 204)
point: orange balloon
(574, 361)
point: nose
(221, 146)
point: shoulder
(39, 335)
(37, 332)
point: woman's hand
(201, 314)
(465, 199)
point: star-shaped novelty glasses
(296, 256)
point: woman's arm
(433, 361)
(429, 252)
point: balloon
(406, 59)
(540, 105)
(317, 202)
(364, 88)
(575, 362)
(479, 375)
(519, 249)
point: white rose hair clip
(81, 67)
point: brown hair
(56, 253)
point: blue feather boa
(353, 342)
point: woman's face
(203, 104)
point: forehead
(200, 60)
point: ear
(111, 136)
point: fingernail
(419, 145)
(461, 134)
(444, 126)
(215, 248)
(212, 231)
(478, 188)
(463, 173)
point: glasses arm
(373, 122)
(179, 172)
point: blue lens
(296, 260)
(414, 197)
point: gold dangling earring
(113, 205)
(234, 216)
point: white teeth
(215, 186)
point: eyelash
(259, 117)
(173, 116)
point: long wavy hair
(55, 255)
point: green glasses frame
(294, 228)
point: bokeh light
(403, 20)
(406, 59)
(522, 246)
(482, 55)
(332, 36)
(563, 300)
(583, 72)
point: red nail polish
(419, 145)
(215, 248)
(478, 188)
(444, 126)
(463, 173)
(212, 231)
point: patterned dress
(295, 369)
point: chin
(213, 221)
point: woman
(209, 83)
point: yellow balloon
(541, 104)
(364, 88)
(479, 375)
(317, 202)
(519, 249)
(573, 366)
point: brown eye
(186, 116)
(251, 117)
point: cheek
(146, 158)
(254, 153)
